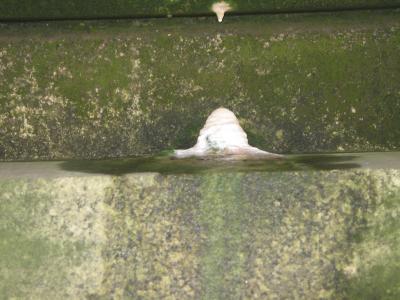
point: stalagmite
(223, 138)
(220, 9)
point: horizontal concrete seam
(164, 16)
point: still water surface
(165, 165)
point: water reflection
(166, 165)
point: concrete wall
(299, 83)
(58, 9)
(287, 235)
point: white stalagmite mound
(220, 8)
(222, 137)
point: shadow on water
(166, 165)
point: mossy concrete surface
(283, 235)
(58, 9)
(298, 83)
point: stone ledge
(75, 9)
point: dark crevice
(194, 15)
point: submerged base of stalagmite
(221, 233)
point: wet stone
(310, 234)
(75, 9)
(297, 83)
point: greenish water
(163, 164)
(166, 165)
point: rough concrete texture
(297, 83)
(286, 235)
(58, 9)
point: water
(165, 165)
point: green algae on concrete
(298, 83)
(51, 232)
(374, 271)
(58, 9)
(273, 235)
(223, 215)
